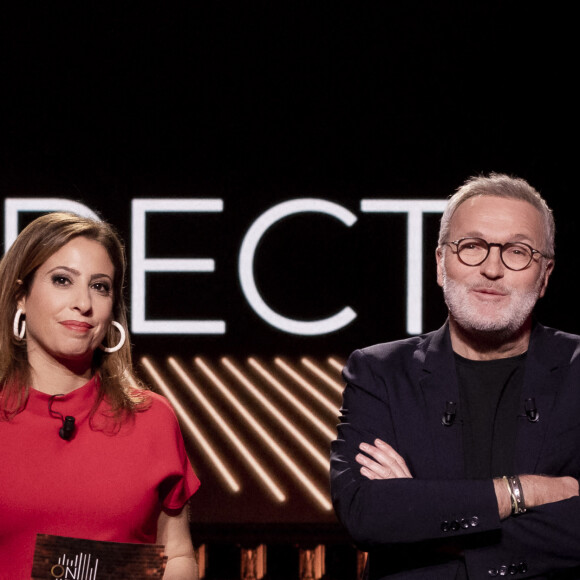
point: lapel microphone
(449, 414)
(68, 422)
(532, 412)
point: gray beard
(504, 322)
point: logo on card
(79, 567)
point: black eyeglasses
(514, 255)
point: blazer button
(445, 526)
(493, 572)
(455, 525)
(522, 567)
(464, 523)
(503, 570)
(512, 569)
(474, 521)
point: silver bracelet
(517, 495)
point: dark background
(262, 102)
(259, 102)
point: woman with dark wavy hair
(86, 451)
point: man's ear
(439, 259)
(547, 274)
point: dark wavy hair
(35, 244)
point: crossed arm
(399, 502)
(383, 462)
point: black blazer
(422, 528)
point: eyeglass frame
(501, 250)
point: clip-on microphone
(68, 422)
(449, 414)
(532, 412)
(68, 427)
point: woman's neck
(55, 377)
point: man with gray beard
(458, 451)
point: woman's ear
(20, 295)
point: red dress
(97, 485)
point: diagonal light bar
(280, 453)
(291, 398)
(306, 385)
(252, 461)
(319, 457)
(192, 428)
(338, 387)
(336, 364)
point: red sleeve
(179, 480)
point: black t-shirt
(489, 395)
(489, 401)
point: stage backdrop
(243, 314)
(277, 171)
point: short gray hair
(500, 185)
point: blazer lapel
(439, 385)
(543, 375)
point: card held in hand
(78, 559)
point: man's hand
(541, 489)
(384, 463)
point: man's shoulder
(402, 348)
(405, 357)
(554, 333)
(555, 342)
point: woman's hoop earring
(120, 343)
(19, 331)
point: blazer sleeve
(544, 540)
(396, 510)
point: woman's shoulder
(153, 414)
(154, 403)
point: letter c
(246, 266)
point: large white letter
(414, 208)
(246, 266)
(14, 205)
(140, 265)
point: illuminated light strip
(276, 492)
(132, 380)
(336, 364)
(306, 385)
(281, 454)
(322, 459)
(198, 437)
(292, 399)
(338, 387)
